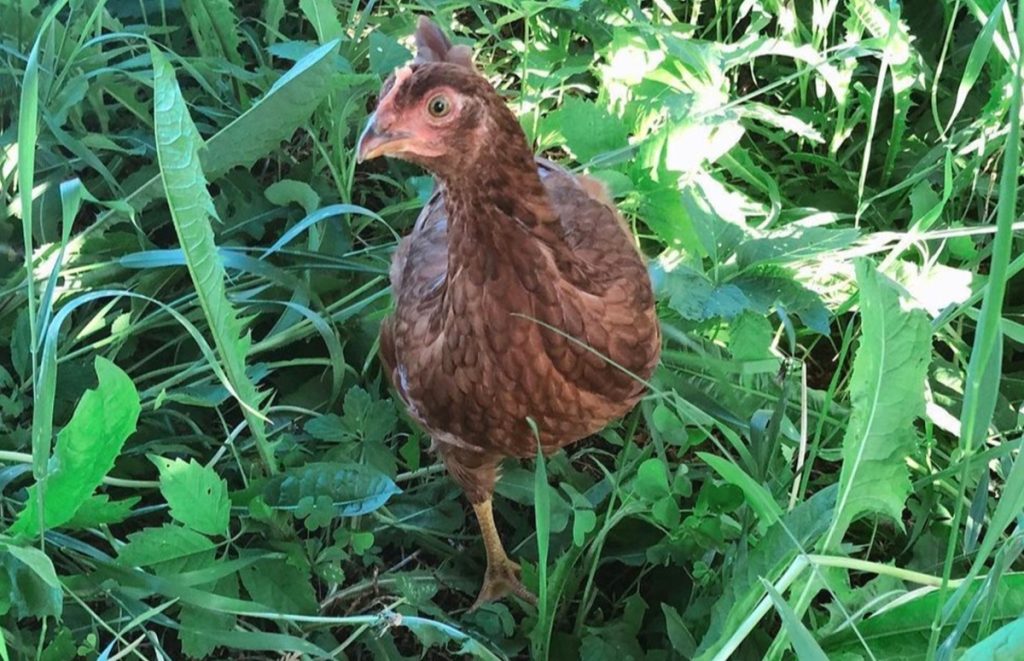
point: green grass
(199, 455)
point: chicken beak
(374, 142)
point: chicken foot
(502, 575)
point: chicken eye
(439, 106)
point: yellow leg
(502, 576)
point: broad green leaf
(766, 292)
(260, 129)
(795, 533)
(352, 489)
(386, 54)
(902, 632)
(280, 586)
(750, 337)
(279, 644)
(86, 449)
(198, 497)
(518, 485)
(792, 245)
(178, 145)
(588, 129)
(364, 418)
(1004, 644)
(694, 296)
(28, 583)
(324, 17)
(152, 546)
(718, 216)
(887, 396)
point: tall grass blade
(983, 369)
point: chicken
(523, 309)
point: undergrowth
(199, 455)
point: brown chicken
(519, 294)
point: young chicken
(520, 296)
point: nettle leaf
(368, 418)
(694, 296)
(99, 509)
(198, 497)
(887, 396)
(766, 291)
(353, 489)
(364, 418)
(86, 449)
(588, 129)
(177, 145)
(153, 546)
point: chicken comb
(433, 46)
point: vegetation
(199, 455)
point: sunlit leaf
(197, 496)
(887, 394)
(86, 449)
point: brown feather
(517, 285)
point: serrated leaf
(766, 291)
(155, 545)
(99, 509)
(197, 496)
(588, 129)
(214, 28)
(695, 297)
(750, 337)
(366, 418)
(85, 450)
(178, 145)
(353, 489)
(887, 396)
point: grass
(199, 456)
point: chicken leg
(502, 575)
